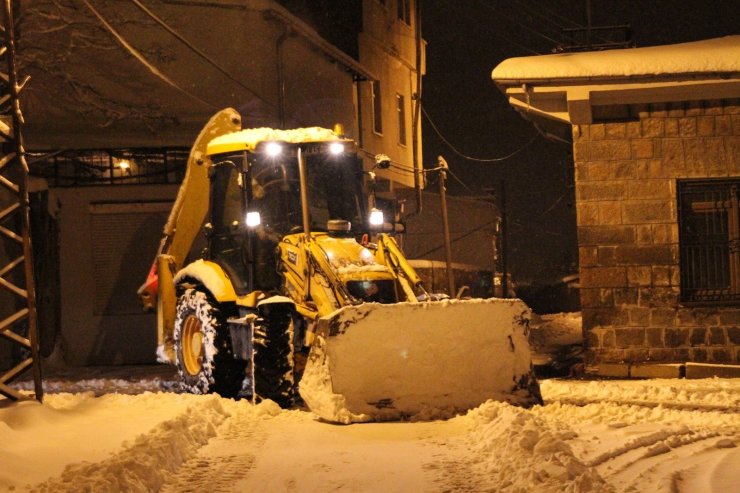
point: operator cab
(256, 200)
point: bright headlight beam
(253, 219)
(273, 149)
(336, 148)
(376, 217)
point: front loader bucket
(433, 359)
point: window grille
(79, 167)
(709, 237)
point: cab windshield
(333, 184)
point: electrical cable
(133, 51)
(470, 158)
(533, 31)
(472, 192)
(453, 240)
(575, 24)
(547, 19)
(495, 32)
(198, 52)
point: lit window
(377, 112)
(709, 238)
(401, 108)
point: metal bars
(18, 323)
(710, 240)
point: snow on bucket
(382, 362)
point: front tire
(273, 354)
(203, 353)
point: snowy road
(655, 435)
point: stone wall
(626, 175)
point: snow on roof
(250, 137)
(719, 55)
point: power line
(545, 18)
(471, 232)
(152, 68)
(456, 8)
(533, 31)
(195, 50)
(470, 158)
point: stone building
(656, 144)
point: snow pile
(394, 361)
(172, 443)
(698, 394)
(112, 443)
(522, 452)
(708, 56)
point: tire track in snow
(631, 454)
(145, 464)
(226, 458)
(454, 470)
(667, 467)
(681, 406)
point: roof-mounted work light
(336, 148)
(273, 149)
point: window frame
(709, 240)
(404, 11)
(377, 106)
(401, 111)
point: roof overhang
(541, 89)
(572, 102)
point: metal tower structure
(18, 322)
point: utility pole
(504, 242)
(609, 37)
(442, 164)
(16, 270)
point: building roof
(711, 56)
(557, 91)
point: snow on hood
(719, 55)
(250, 137)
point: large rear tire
(273, 354)
(203, 353)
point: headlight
(253, 219)
(336, 148)
(376, 217)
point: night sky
(465, 41)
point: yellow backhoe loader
(300, 289)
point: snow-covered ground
(590, 436)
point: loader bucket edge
(433, 359)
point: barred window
(79, 167)
(709, 237)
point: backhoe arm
(183, 224)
